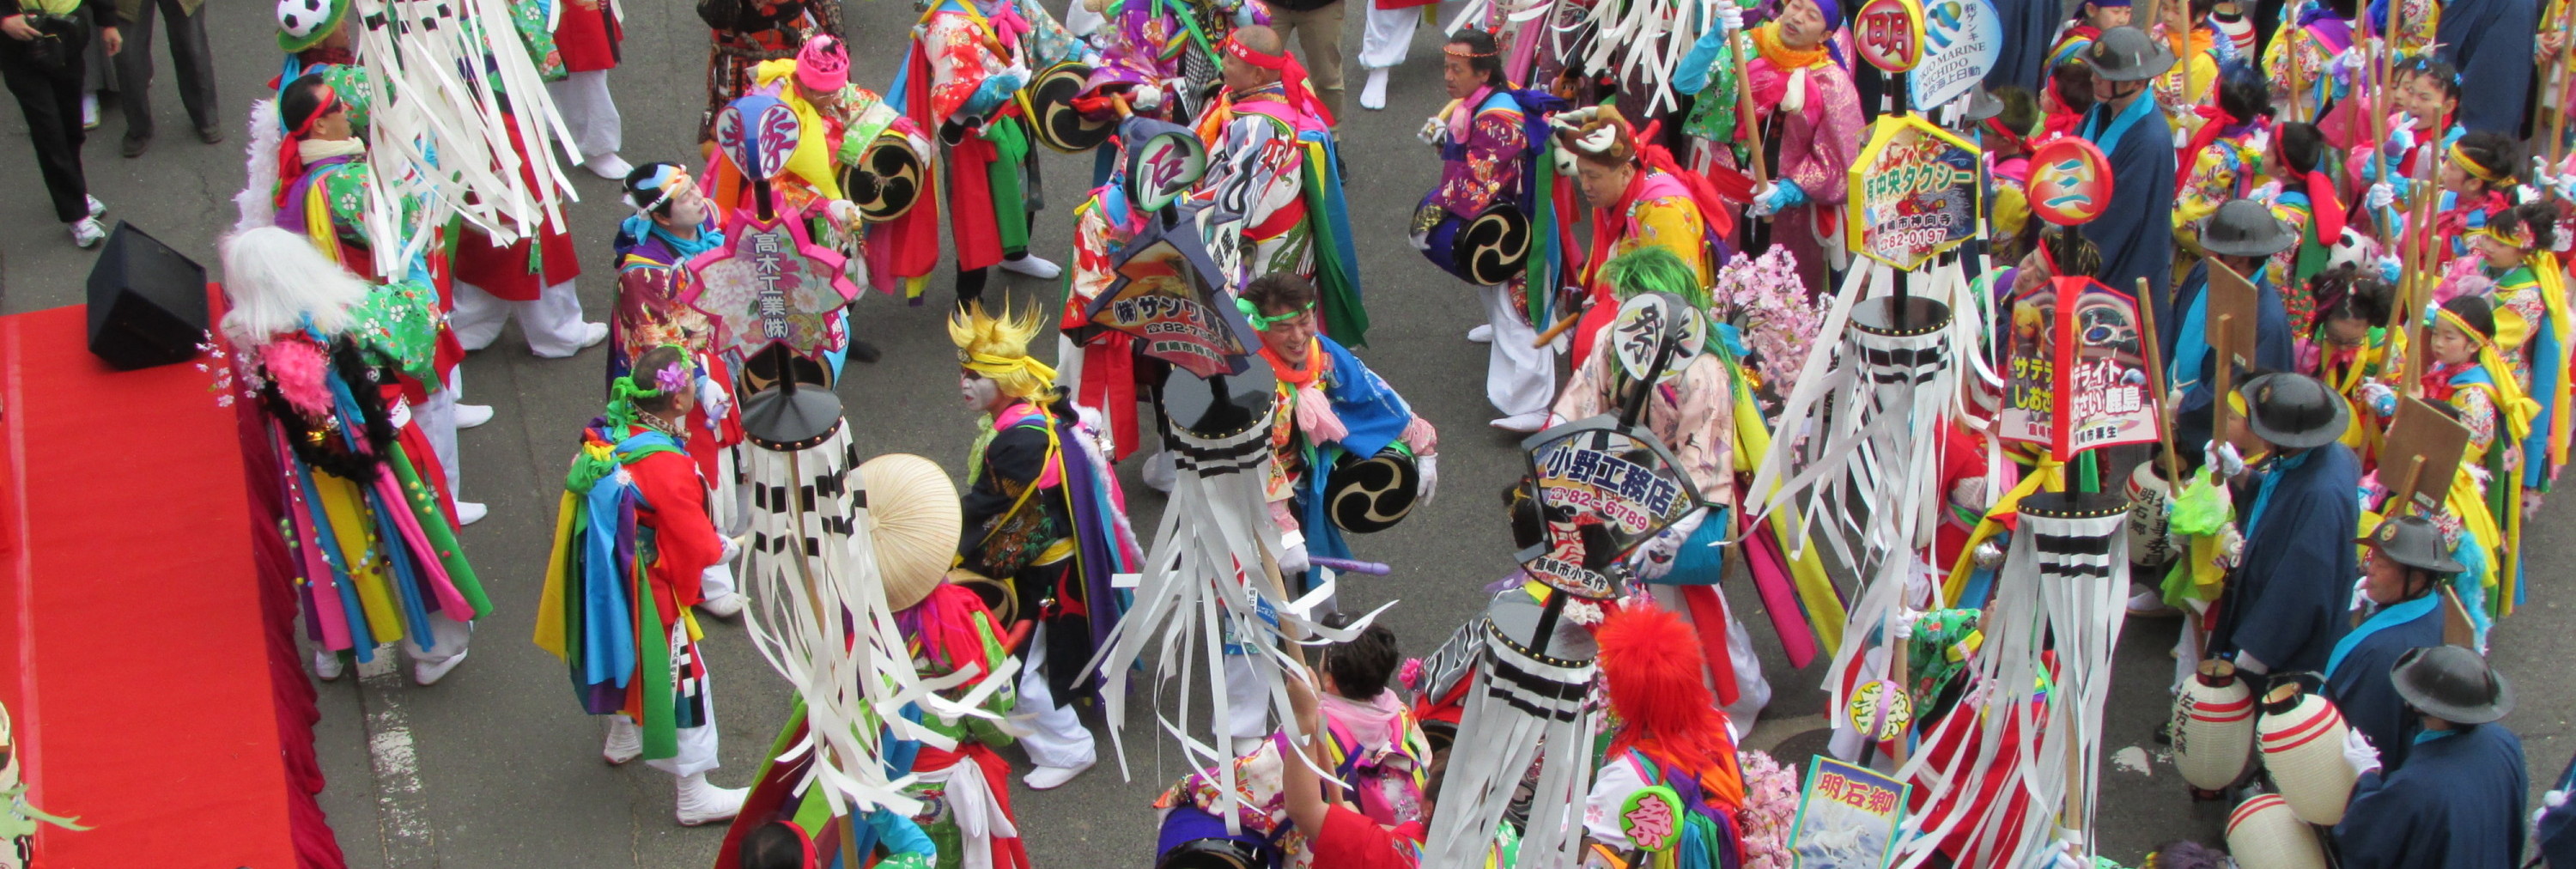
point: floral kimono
(2225, 167)
(2319, 38)
(1807, 102)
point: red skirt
(586, 36)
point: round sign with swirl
(1889, 34)
(2070, 181)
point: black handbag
(59, 41)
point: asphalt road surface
(497, 767)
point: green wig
(1654, 269)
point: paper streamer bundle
(1522, 707)
(442, 72)
(1642, 41)
(1211, 578)
(1862, 427)
(2062, 588)
(821, 620)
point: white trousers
(1752, 692)
(591, 113)
(1056, 735)
(1389, 37)
(1519, 378)
(447, 639)
(697, 744)
(438, 422)
(552, 322)
(1247, 700)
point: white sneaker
(1482, 334)
(1373, 95)
(724, 607)
(471, 415)
(1524, 423)
(625, 741)
(1047, 778)
(327, 665)
(86, 232)
(2150, 604)
(1160, 471)
(703, 803)
(1033, 266)
(429, 672)
(469, 512)
(609, 166)
(96, 207)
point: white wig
(275, 280)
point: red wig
(1651, 660)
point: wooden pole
(2156, 383)
(2225, 383)
(2290, 58)
(1747, 119)
(2425, 240)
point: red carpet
(148, 695)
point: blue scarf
(2272, 478)
(2110, 139)
(635, 230)
(2387, 617)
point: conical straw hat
(916, 520)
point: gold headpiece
(998, 348)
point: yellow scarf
(1766, 42)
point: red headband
(290, 159)
(1996, 125)
(1292, 76)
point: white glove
(1145, 98)
(2361, 602)
(1730, 16)
(2381, 195)
(1761, 206)
(2401, 134)
(1430, 468)
(1018, 71)
(1434, 132)
(1904, 623)
(2231, 546)
(2221, 456)
(715, 399)
(2358, 751)
(1292, 557)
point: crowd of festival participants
(2382, 191)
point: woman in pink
(1810, 120)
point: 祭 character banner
(1914, 193)
(1166, 295)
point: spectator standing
(40, 61)
(195, 64)
(1317, 27)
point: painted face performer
(1489, 154)
(968, 59)
(355, 481)
(1637, 203)
(635, 548)
(1045, 528)
(1272, 177)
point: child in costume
(2089, 21)
(2533, 326)
(2478, 179)
(2308, 202)
(634, 550)
(2303, 61)
(2224, 159)
(1372, 740)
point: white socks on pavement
(1373, 95)
(703, 803)
(625, 741)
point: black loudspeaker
(147, 303)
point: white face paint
(980, 392)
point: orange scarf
(1766, 42)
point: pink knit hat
(823, 64)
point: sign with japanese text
(1889, 34)
(771, 284)
(1962, 39)
(1165, 295)
(1638, 334)
(1913, 194)
(2030, 362)
(757, 133)
(1602, 491)
(1847, 817)
(2101, 370)
(1164, 160)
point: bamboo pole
(2156, 382)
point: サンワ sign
(1913, 193)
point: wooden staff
(1549, 336)
(2290, 58)
(2379, 103)
(2225, 384)
(1745, 114)
(2425, 241)
(2181, 38)
(2156, 383)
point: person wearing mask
(186, 23)
(2457, 802)
(41, 61)
(2284, 606)
(2400, 592)
(2135, 232)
